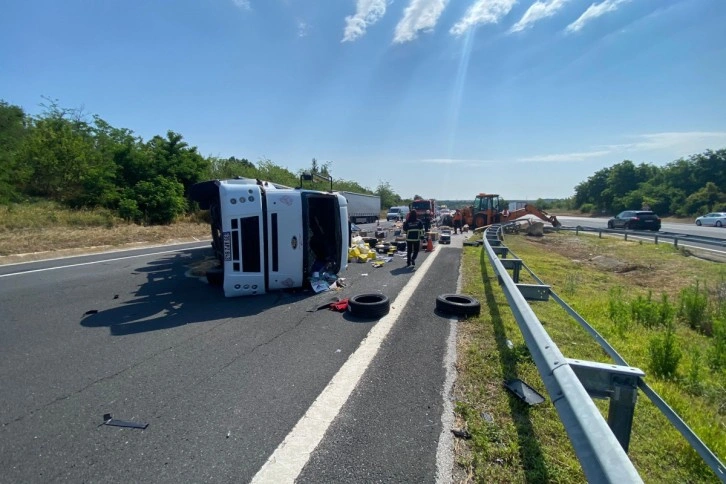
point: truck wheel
(458, 304)
(480, 221)
(372, 305)
(215, 276)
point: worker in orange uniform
(457, 221)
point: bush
(650, 313)
(587, 208)
(618, 310)
(664, 354)
(717, 350)
(693, 309)
(153, 202)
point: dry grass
(43, 229)
(43, 243)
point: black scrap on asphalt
(108, 420)
(91, 311)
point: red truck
(425, 209)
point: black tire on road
(372, 305)
(215, 276)
(458, 304)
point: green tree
(389, 198)
(12, 133)
(172, 157)
(157, 201)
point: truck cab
(267, 236)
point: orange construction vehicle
(486, 211)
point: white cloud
(419, 15)
(367, 12)
(537, 11)
(566, 157)
(681, 142)
(303, 28)
(594, 11)
(482, 12)
(243, 4)
(675, 143)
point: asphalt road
(220, 382)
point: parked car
(717, 219)
(635, 219)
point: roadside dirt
(37, 244)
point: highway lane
(675, 227)
(221, 382)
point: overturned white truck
(268, 236)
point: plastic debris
(108, 420)
(462, 434)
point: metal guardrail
(601, 446)
(674, 237)
(601, 455)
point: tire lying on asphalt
(458, 304)
(372, 305)
(215, 276)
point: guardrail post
(656, 240)
(599, 233)
(675, 242)
(622, 409)
(577, 230)
(626, 236)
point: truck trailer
(362, 207)
(268, 236)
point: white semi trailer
(362, 207)
(268, 236)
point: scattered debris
(116, 296)
(525, 392)
(91, 311)
(487, 416)
(339, 306)
(462, 434)
(108, 420)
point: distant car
(717, 219)
(397, 213)
(636, 220)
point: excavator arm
(532, 210)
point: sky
(438, 98)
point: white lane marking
(98, 261)
(445, 447)
(288, 460)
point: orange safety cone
(429, 245)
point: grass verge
(42, 230)
(619, 288)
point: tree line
(685, 187)
(82, 161)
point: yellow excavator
(486, 211)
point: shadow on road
(171, 298)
